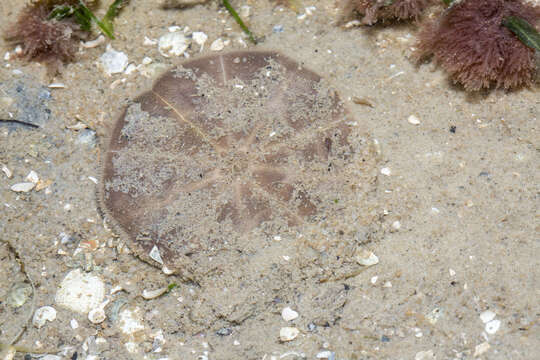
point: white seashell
(80, 292)
(152, 294)
(130, 321)
(493, 326)
(174, 43)
(42, 315)
(32, 177)
(386, 171)
(487, 316)
(366, 258)
(155, 255)
(23, 187)
(288, 314)
(57, 86)
(412, 119)
(217, 45)
(325, 355)
(97, 315)
(6, 171)
(94, 43)
(288, 333)
(112, 61)
(200, 38)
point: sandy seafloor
(466, 202)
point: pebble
(217, 45)
(74, 324)
(80, 292)
(112, 61)
(288, 314)
(396, 225)
(412, 119)
(366, 258)
(19, 294)
(386, 171)
(42, 315)
(288, 333)
(173, 43)
(23, 187)
(374, 279)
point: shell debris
(42, 315)
(23, 187)
(112, 61)
(80, 292)
(173, 43)
(288, 314)
(288, 333)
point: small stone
(112, 61)
(452, 272)
(396, 225)
(373, 280)
(387, 284)
(481, 349)
(487, 316)
(23, 187)
(288, 314)
(424, 355)
(74, 324)
(412, 119)
(19, 294)
(493, 326)
(366, 258)
(173, 43)
(288, 333)
(386, 171)
(224, 331)
(42, 315)
(217, 45)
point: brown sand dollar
(226, 149)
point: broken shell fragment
(23, 187)
(152, 294)
(97, 315)
(42, 315)
(288, 333)
(366, 258)
(80, 292)
(288, 314)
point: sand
(453, 209)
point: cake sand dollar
(228, 151)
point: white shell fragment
(487, 316)
(42, 315)
(94, 43)
(152, 294)
(288, 333)
(217, 45)
(173, 43)
(23, 187)
(112, 61)
(32, 177)
(493, 326)
(200, 38)
(412, 119)
(481, 348)
(366, 258)
(386, 171)
(6, 171)
(130, 321)
(80, 292)
(288, 314)
(97, 315)
(155, 255)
